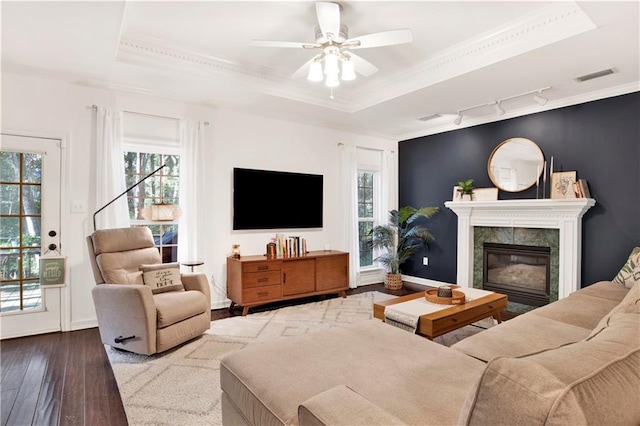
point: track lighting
(540, 99)
(497, 104)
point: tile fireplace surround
(564, 215)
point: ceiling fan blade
(293, 44)
(328, 18)
(363, 66)
(384, 38)
(303, 71)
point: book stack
(581, 188)
(291, 246)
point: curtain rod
(206, 123)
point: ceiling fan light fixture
(332, 80)
(315, 72)
(348, 70)
(331, 64)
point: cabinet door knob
(263, 280)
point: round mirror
(515, 164)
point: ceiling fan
(335, 48)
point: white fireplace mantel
(564, 215)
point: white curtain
(110, 180)
(389, 183)
(349, 186)
(192, 167)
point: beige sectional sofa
(575, 361)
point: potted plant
(401, 238)
(465, 189)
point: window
(162, 187)
(366, 215)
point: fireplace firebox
(520, 272)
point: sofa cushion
(343, 406)
(629, 305)
(176, 306)
(565, 385)
(605, 290)
(124, 267)
(162, 277)
(507, 339)
(630, 272)
(389, 367)
(577, 309)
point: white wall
(234, 139)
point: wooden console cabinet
(256, 280)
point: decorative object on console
(581, 188)
(456, 298)
(465, 188)
(445, 291)
(562, 185)
(235, 251)
(516, 164)
(401, 238)
(485, 194)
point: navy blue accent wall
(599, 139)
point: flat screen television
(265, 199)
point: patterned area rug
(182, 386)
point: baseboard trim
(423, 281)
(81, 325)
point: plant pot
(465, 197)
(393, 281)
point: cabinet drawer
(261, 267)
(261, 294)
(257, 279)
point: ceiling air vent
(429, 117)
(593, 75)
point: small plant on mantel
(466, 188)
(401, 238)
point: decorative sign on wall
(52, 271)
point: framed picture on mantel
(562, 185)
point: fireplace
(521, 272)
(563, 216)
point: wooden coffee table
(443, 321)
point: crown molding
(545, 26)
(154, 52)
(551, 105)
(548, 25)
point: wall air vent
(593, 75)
(429, 117)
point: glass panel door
(29, 228)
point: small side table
(192, 263)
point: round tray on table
(432, 296)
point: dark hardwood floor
(66, 378)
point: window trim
(377, 198)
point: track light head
(540, 99)
(498, 108)
(458, 119)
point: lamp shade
(332, 80)
(331, 64)
(161, 212)
(315, 72)
(348, 70)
